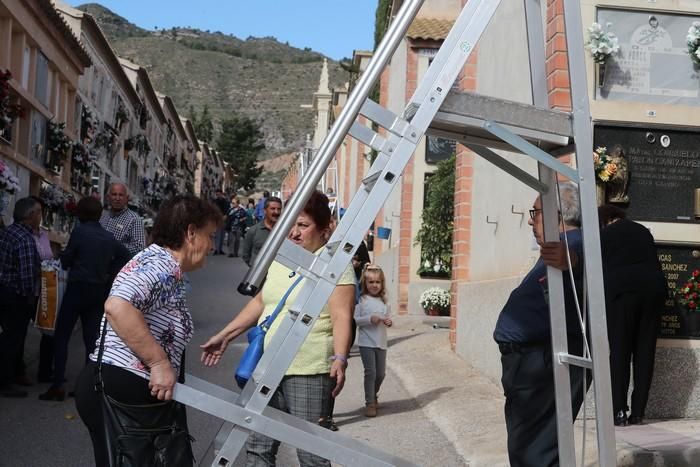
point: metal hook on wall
(522, 214)
(489, 221)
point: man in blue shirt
(523, 334)
(20, 283)
(260, 207)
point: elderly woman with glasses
(317, 374)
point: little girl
(372, 317)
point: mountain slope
(261, 78)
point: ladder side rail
(583, 137)
(536, 52)
(286, 342)
(557, 317)
(448, 63)
(313, 296)
(285, 427)
(395, 34)
(450, 43)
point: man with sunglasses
(523, 334)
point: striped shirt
(153, 283)
(127, 228)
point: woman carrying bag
(143, 337)
(318, 372)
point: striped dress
(153, 283)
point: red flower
(691, 305)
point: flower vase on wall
(600, 74)
(600, 193)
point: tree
(203, 125)
(239, 144)
(437, 221)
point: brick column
(557, 66)
(405, 230)
(464, 174)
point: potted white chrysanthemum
(435, 301)
(602, 44)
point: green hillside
(258, 77)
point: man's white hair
(570, 207)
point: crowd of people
(129, 294)
(127, 288)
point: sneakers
(371, 410)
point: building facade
(40, 112)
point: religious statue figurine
(619, 183)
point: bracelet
(342, 358)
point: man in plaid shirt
(20, 283)
(123, 223)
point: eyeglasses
(372, 267)
(533, 213)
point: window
(41, 86)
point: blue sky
(333, 27)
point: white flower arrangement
(693, 41)
(601, 43)
(435, 297)
(9, 183)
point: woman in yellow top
(318, 371)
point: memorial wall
(645, 110)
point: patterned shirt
(20, 266)
(153, 283)
(127, 228)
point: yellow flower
(604, 176)
(611, 169)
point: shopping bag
(53, 286)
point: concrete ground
(435, 409)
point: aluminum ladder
(480, 123)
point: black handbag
(149, 435)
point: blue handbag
(256, 342)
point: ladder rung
(367, 136)
(384, 117)
(369, 181)
(575, 360)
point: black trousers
(633, 324)
(81, 300)
(15, 313)
(234, 241)
(530, 409)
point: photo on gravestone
(678, 320)
(651, 44)
(663, 171)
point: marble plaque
(663, 170)
(678, 264)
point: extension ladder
(480, 123)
